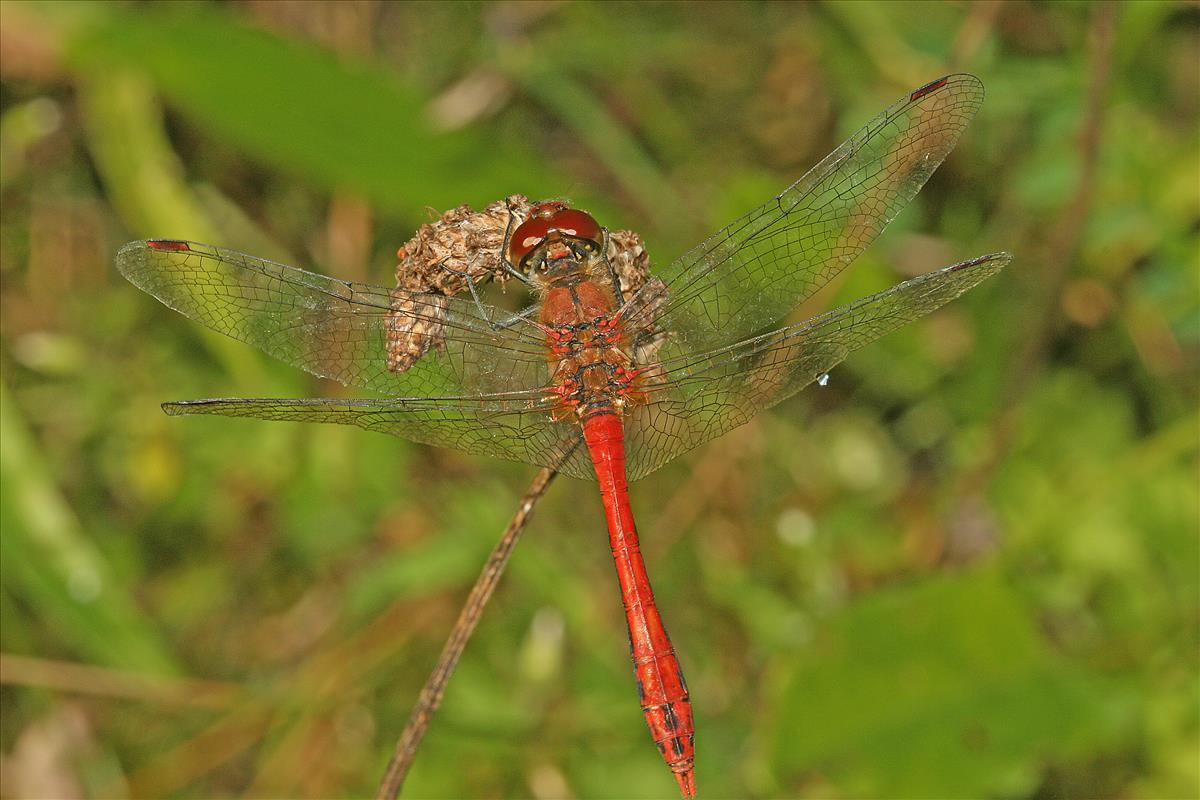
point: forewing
(750, 275)
(340, 330)
(516, 427)
(691, 399)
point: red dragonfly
(612, 372)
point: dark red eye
(578, 224)
(547, 217)
(528, 235)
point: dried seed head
(463, 246)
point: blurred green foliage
(968, 567)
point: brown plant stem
(435, 685)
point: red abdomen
(661, 688)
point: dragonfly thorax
(592, 370)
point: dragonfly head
(554, 238)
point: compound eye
(552, 216)
(528, 235)
(578, 225)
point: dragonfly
(613, 370)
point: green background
(968, 567)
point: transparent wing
(694, 398)
(689, 399)
(468, 379)
(750, 275)
(386, 340)
(516, 426)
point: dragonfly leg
(612, 272)
(470, 281)
(504, 262)
(523, 316)
(483, 315)
(513, 271)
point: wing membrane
(750, 275)
(694, 398)
(467, 376)
(690, 399)
(337, 329)
(515, 427)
